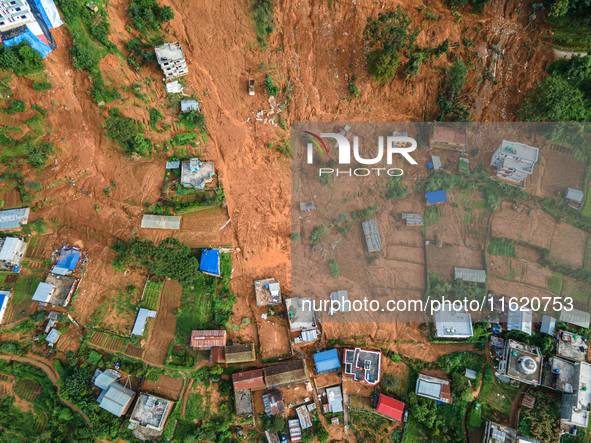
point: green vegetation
(450, 104)
(386, 35)
(395, 190)
(318, 232)
(184, 139)
(365, 214)
(543, 421)
(170, 258)
(262, 15)
(124, 131)
(16, 106)
(502, 246)
(295, 236)
(148, 15)
(21, 59)
(192, 120)
(334, 268)
(353, 87)
(272, 89)
(152, 295)
(42, 86)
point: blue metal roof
(117, 399)
(436, 197)
(327, 361)
(68, 258)
(210, 261)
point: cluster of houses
(149, 414)
(513, 162)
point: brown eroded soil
(166, 386)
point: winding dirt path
(51, 373)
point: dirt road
(566, 54)
(51, 373)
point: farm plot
(115, 344)
(41, 423)
(196, 312)
(5, 389)
(10, 195)
(152, 295)
(519, 291)
(443, 260)
(7, 281)
(39, 248)
(524, 272)
(579, 292)
(519, 226)
(28, 390)
(98, 339)
(568, 245)
(475, 227)
(21, 304)
(166, 386)
(134, 351)
(558, 172)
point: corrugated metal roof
(470, 275)
(436, 162)
(117, 399)
(9, 247)
(470, 373)
(451, 136)
(104, 379)
(295, 432)
(13, 218)
(342, 297)
(43, 292)
(390, 407)
(207, 339)
(173, 165)
(576, 317)
(248, 380)
(413, 219)
(189, 105)
(436, 197)
(140, 321)
(520, 320)
(575, 194)
(327, 361)
(161, 222)
(548, 325)
(53, 336)
(335, 399)
(372, 235)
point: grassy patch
(555, 283)
(152, 295)
(25, 286)
(502, 246)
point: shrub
(193, 120)
(147, 15)
(272, 89)
(38, 153)
(42, 86)
(334, 267)
(21, 59)
(295, 236)
(184, 139)
(263, 19)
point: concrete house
(450, 323)
(574, 406)
(434, 388)
(149, 416)
(363, 365)
(274, 403)
(515, 161)
(300, 314)
(171, 59)
(14, 13)
(196, 174)
(12, 252)
(522, 362)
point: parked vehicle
(251, 86)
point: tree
(334, 268)
(390, 383)
(216, 371)
(390, 31)
(38, 153)
(322, 434)
(554, 100)
(382, 67)
(395, 189)
(275, 423)
(166, 13)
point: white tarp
(52, 13)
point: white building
(171, 59)
(574, 406)
(450, 323)
(14, 13)
(514, 161)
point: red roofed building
(390, 407)
(205, 340)
(252, 380)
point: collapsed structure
(149, 416)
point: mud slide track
(51, 373)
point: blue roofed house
(4, 296)
(67, 261)
(436, 197)
(210, 262)
(327, 361)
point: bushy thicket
(124, 131)
(148, 15)
(262, 15)
(21, 59)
